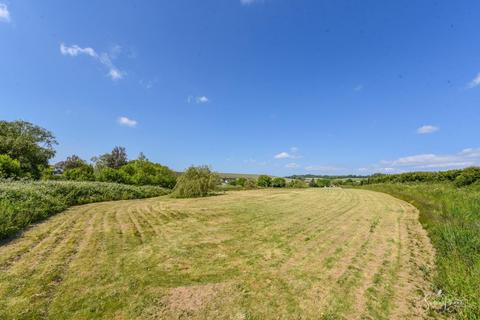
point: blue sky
(273, 86)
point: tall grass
(452, 218)
(22, 203)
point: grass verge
(452, 218)
(22, 203)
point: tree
(31, 145)
(241, 181)
(323, 183)
(264, 181)
(115, 159)
(196, 182)
(279, 183)
(312, 183)
(250, 184)
(297, 183)
(82, 173)
(144, 172)
(71, 162)
(9, 168)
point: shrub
(296, 183)
(106, 174)
(82, 173)
(264, 181)
(144, 172)
(279, 183)
(323, 183)
(467, 177)
(9, 168)
(196, 182)
(250, 184)
(241, 181)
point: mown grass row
(452, 218)
(22, 203)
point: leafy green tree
(115, 159)
(241, 181)
(144, 172)
(250, 184)
(71, 162)
(264, 181)
(312, 183)
(9, 168)
(32, 146)
(323, 183)
(196, 182)
(297, 183)
(83, 173)
(279, 183)
(106, 174)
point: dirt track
(269, 254)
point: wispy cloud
(324, 169)
(426, 129)
(127, 122)
(198, 99)
(104, 58)
(465, 158)
(4, 13)
(292, 165)
(475, 82)
(293, 154)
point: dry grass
(265, 254)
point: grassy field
(263, 254)
(452, 218)
(25, 202)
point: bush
(296, 183)
(264, 181)
(467, 177)
(82, 173)
(323, 183)
(196, 182)
(241, 181)
(144, 172)
(9, 168)
(22, 203)
(250, 184)
(279, 183)
(106, 174)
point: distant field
(238, 175)
(263, 254)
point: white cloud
(105, 59)
(284, 155)
(198, 99)
(4, 13)
(475, 82)
(202, 99)
(465, 158)
(426, 129)
(124, 121)
(292, 165)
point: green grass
(452, 218)
(262, 254)
(22, 203)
